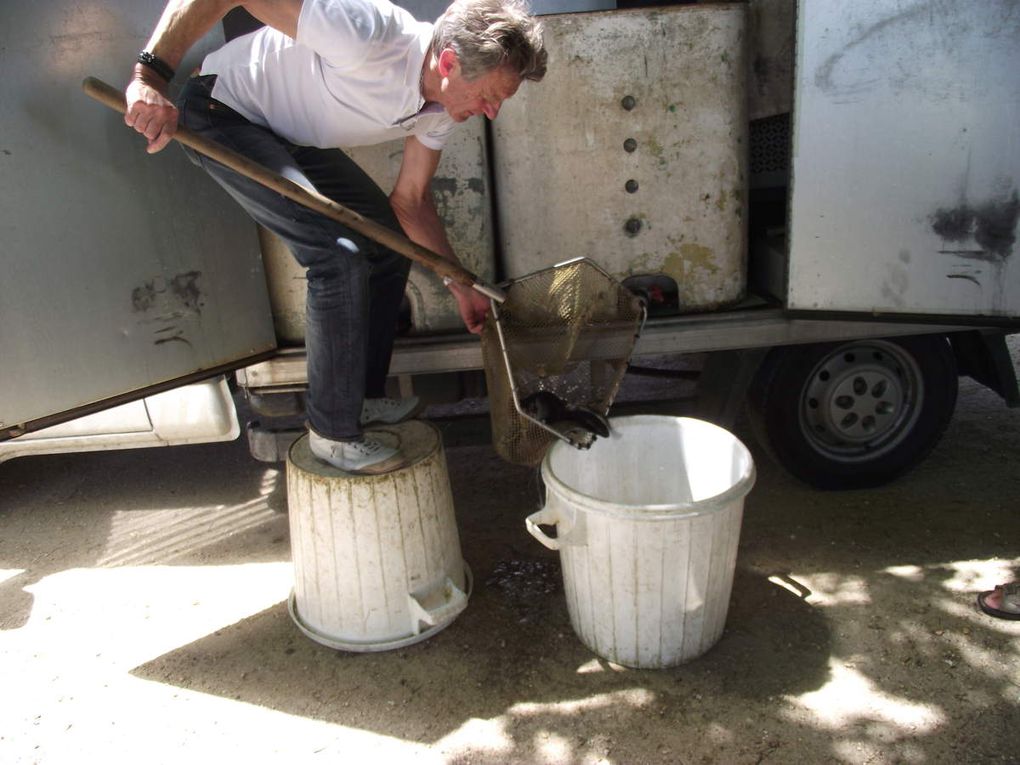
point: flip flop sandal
(1010, 597)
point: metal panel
(907, 158)
(191, 414)
(632, 150)
(121, 270)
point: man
(323, 74)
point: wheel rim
(861, 400)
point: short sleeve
(435, 134)
(339, 30)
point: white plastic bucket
(377, 562)
(647, 526)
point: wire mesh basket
(555, 352)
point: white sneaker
(389, 411)
(369, 456)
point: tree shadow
(500, 659)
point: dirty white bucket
(647, 525)
(377, 562)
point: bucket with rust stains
(377, 561)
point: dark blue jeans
(355, 285)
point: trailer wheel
(856, 414)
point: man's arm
(182, 24)
(412, 202)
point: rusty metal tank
(633, 152)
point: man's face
(464, 98)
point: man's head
(491, 34)
(481, 51)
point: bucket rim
(328, 470)
(659, 511)
(375, 646)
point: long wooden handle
(113, 98)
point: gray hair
(487, 34)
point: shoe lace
(368, 447)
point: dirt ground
(143, 618)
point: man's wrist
(156, 64)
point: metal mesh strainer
(555, 352)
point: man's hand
(150, 112)
(472, 305)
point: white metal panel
(121, 270)
(192, 414)
(906, 158)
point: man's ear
(448, 63)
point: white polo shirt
(351, 78)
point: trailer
(819, 201)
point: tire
(856, 414)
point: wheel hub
(864, 403)
(860, 399)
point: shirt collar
(413, 77)
(415, 62)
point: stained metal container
(632, 151)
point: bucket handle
(549, 516)
(453, 601)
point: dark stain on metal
(824, 79)
(143, 298)
(968, 254)
(182, 289)
(965, 277)
(185, 288)
(992, 225)
(173, 339)
(761, 70)
(476, 185)
(953, 224)
(995, 225)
